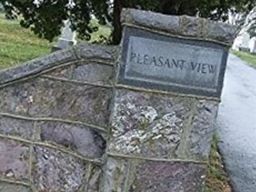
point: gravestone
(67, 37)
(167, 90)
(252, 45)
(241, 43)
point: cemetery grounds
(18, 45)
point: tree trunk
(117, 31)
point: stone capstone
(181, 25)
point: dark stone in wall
(81, 139)
(168, 177)
(136, 175)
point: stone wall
(53, 121)
(68, 125)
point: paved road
(237, 124)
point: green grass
(248, 57)
(18, 45)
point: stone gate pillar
(169, 80)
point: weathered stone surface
(183, 25)
(81, 139)
(221, 32)
(152, 176)
(14, 160)
(86, 72)
(94, 73)
(168, 177)
(147, 124)
(47, 98)
(116, 171)
(202, 129)
(55, 171)
(151, 20)
(16, 127)
(93, 183)
(87, 51)
(37, 65)
(6, 187)
(192, 26)
(62, 72)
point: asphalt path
(236, 124)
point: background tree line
(45, 17)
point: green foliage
(46, 17)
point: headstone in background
(1, 7)
(241, 42)
(168, 87)
(67, 37)
(247, 23)
(252, 45)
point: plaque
(155, 61)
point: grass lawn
(248, 57)
(18, 45)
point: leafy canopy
(45, 17)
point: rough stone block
(153, 176)
(94, 73)
(62, 72)
(147, 124)
(181, 26)
(192, 26)
(87, 51)
(202, 129)
(221, 32)
(78, 138)
(114, 175)
(6, 187)
(48, 98)
(14, 160)
(17, 127)
(55, 171)
(168, 177)
(93, 183)
(151, 20)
